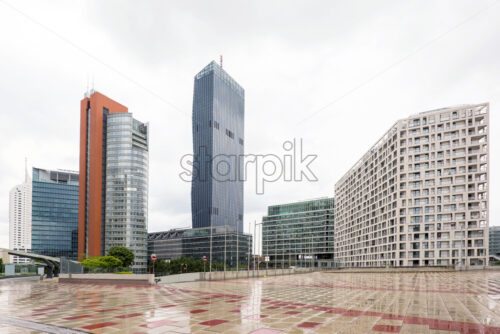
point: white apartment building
(419, 196)
(20, 219)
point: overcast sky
(337, 74)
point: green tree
(123, 253)
(107, 263)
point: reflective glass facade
(127, 186)
(196, 243)
(495, 241)
(299, 234)
(218, 146)
(54, 229)
(94, 110)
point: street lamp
(225, 233)
(249, 250)
(210, 247)
(237, 250)
(255, 240)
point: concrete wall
(188, 277)
(220, 275)
(142, 279)
(392, 270)
(19, 278)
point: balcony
(474, 215)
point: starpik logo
(293, 165)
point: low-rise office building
(220, 245)
(299, 234)
(54, 220)
(494, 243)
(419, 196)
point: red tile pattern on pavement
(197, 311)
(100, 325)
(213, 322)
(387, 328)
(309, 324)
(131, 315)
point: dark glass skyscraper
(54, 213)
(218, 146)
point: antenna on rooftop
(220, 61)
(26, 176)
(88, 83)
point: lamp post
(225, 233)
(237, 248)
(275, 265)
(282, 250)
(249, 250)
(311, 251)
(462, 239)
(254, 243)
(210, 246)
(255, 240)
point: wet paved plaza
(466, 302)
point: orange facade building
(94, 109)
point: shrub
(107, 263)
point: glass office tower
(127, 186)
(54, 220)
(94, 111)
(218, 145)
(114, 172)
